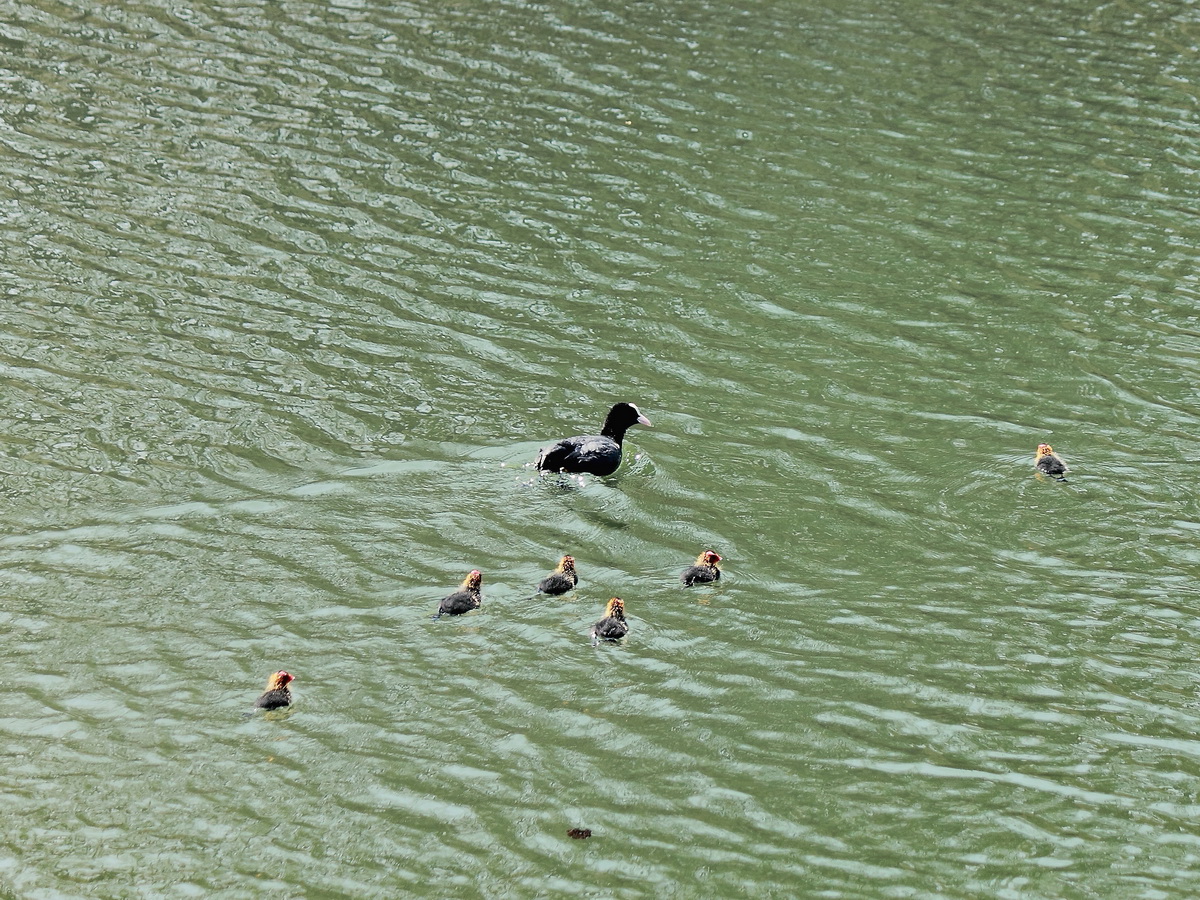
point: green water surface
(294, 291)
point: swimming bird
(593, 454)
(277, 694)
(704, 571)
(561, 579)
(1049, 462)
(613, 626)
(469, 596)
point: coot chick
(613, 626)
(593, 454)
(1049, 462)
(704, 571)
(277, 694)
(469, 596)
(561, 580)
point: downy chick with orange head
(277, 694)
(613, 626)
(704, 571)
(469, 596)
(1049, 462)
(561, 580)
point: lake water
(294, 291)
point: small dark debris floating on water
(277, 695)
(469, 596)
(593, 454)
(561, 580)
(580, 834)
(704, 571)
(1050, 462)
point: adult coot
(704, 571)
(1049, 462)
(277, 694)
(613, 626)
(593, 454)
(469, 596)
(561, 580)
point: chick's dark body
(704, 571)
(561, 580)
(613, 626)
(277, 694)
(469, 597)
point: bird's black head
(620, 419)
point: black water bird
(593, 454)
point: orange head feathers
(279, 681)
